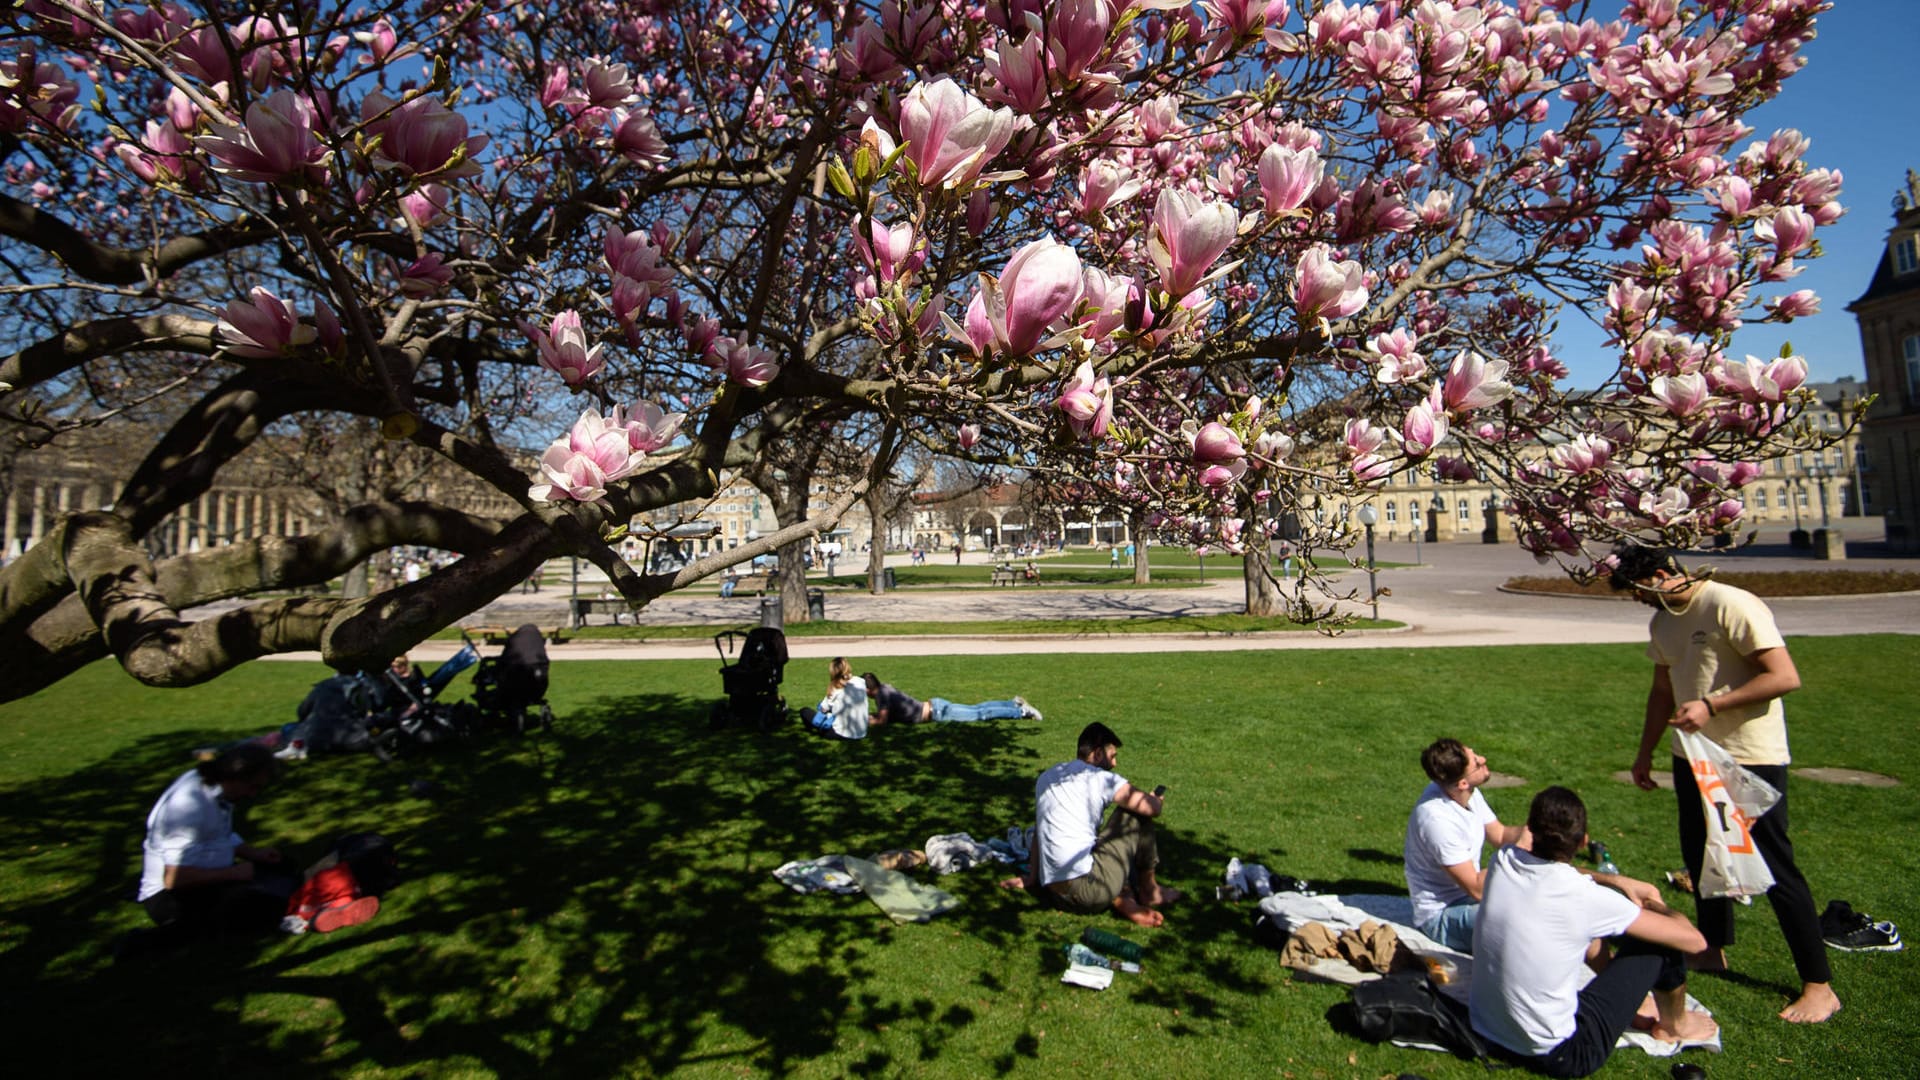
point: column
(37, 519)
(182, 531)
(255, 521)
(11, 521)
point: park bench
(579, 607)
(497, 635)
(1004, 575)
(754, 584)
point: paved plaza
(1451, 598)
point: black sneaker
(1872, 937)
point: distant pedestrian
(1113, 557)
(956, 553)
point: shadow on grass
(595, 901)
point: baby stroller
(752, 684)
(414, 716)
(508, 688)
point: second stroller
(510, 690)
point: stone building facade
(1889, 317)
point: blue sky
(1855, 101)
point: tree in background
(1213, 252)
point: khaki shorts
(1125, 844)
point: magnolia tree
(1224, 257)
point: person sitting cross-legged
(1081, 866)
(1541, 920)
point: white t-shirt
(848, 707)
(1068, 801)
(190, 826)
(1530, 944)
(1442, 833)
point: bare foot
(1017, 881)
(1692, 1027)
(1709, 960)
(1137, 914)
(1815, 1004)
(1648, 1016)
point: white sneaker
(295, 751)
(1027, 712)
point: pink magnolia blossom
(1324, 289)
(1106, 183)
(277, 142)
(564, 349)
(426, 205)
(1273, 447)
(749, 365)
(888, 250)
(421, 137)
(1288, 176)
(969, 436)
(1362, 437)
(1398, 362)
(1669, 507)
(327, 331)
(425, 277)
(1216, 444)
(1474, 382)
(1088, 403)
(1726, 512)
(262, 327)
(1680, 395)
(32, 92)
(1039, 285)
(648, 428)
(162, 156)
(607, 84)
(1189, 235)
(950, 134)
(1790, 229)
(1787, 373)
(1582, 455)
(1219, 477)
(1454, 469)
(1795, 305)
(1370, 469)
(637, 138)
(702, 335)
(380, 41)
(584, 463)
(1017, 74)
(1077, 34)
(1104, 301)
(1424, 428)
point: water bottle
(1602, 858)
(1112, 944)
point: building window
(1906, 254)
(1462, 511)
(1866, 497)
(1760, 499)
(1802, 492)
(1911, 346)
(1393, 512)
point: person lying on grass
(1077, 864)
(889, 705)
(1540, 920)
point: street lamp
(1414, 509)
(1368, 517)
(1822, 472)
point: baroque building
(1889, 317)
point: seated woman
(890, 705)
(843, 712)
(1032, 572)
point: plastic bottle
(1111, 944)
(1080, 954)
(1603, 859)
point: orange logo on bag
(1732, 818)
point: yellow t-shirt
(1706, 649)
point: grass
(600, 902)
(1224, 624)
(1760, 583)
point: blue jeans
(1454, 926)
(947, 711)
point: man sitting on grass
(1077, 865)
(1445, 832)
(1540, 920)
(198, 878)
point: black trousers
(1790, 896)
(1608, 1004)
(227, 908)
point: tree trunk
(877, 541)
(1263, 593)
(1136, 528)
(354, 585)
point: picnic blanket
(1293, 911)
(901, 897)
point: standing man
(1445, 832)
(1541, 921)
(1077, 864)
(1720, 668)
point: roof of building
(1906, 217)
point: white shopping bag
(1733, 799)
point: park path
(1453, 598)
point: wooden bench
(1004, 575)
(754, 584)
(579, 607)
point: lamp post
(1368, 517)
(1417, 530)
(1822, 472)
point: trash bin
(886, 579)
(816, 604)
(771, 614)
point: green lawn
(600, 902)
(1104, 627)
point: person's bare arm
(1659, 712)
(1669, 928)
(1501, 835)
(1640, 892)
(1132, 799)
(1777, 677)
(1468, 877)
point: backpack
(1407, 1011)
(371, 857)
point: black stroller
(510, 690)
(752, 683)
